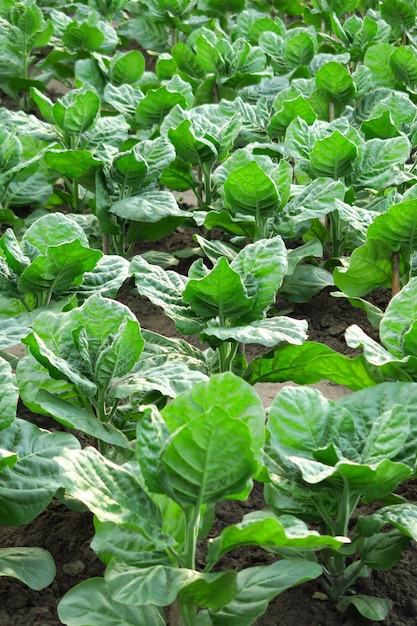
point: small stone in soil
(74, 568)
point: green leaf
(239, 401)
(160, 585)
(77, 112)
(62, 267)
(299, 50)
(249, 190)
(73, 416)
(33, 566)
(290, 110)
(263, 528)
(264, 262)
(106, 277)
(9, 395)
(157, 103)
(90, 602)
(397, 328)
(73, 163)
(210, 458)
(267, 332)
(398, 13)
(402, 516)
(150, 207)
(370, 267)
(190, 147)
(257, 586)
(382, 551)
(333, 156)
(83, 37)
(335, 78)
(127, 68)
(403, 61)
(110, 491)
(51, 230)
(27, 488)
(396, 227)
(309, 363)
(380, 162)
(220, 293)
(370, 607)
(164, 289)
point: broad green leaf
(60, 268)
(150, 207)
(403, 62)
(290, 110)
(220, 293)
(257, 586)
(263, 528)
(380, 162)
(160, 585)
(51, 230)
(239, 401)
(57, 366)
(9, 395)
(164, 289)
(90, 602)
(335, 78)
(209, 459)
(370, 267)
(77, 111)
(396, 227)
(110, 491)
(402, 516)
(102, 319)
(381, 551)
(82, 37)
(398, 13)
(266, 262)
(370, 607)
(377, 59)
(368, 405)
(73, 416)
(73, 163)
(249, 190)
(299, 50)
(117, 359)
(190, 147)
(127, 67)
(309, 363)
(333, 156)
(374, 480)
(27, 488)
(267, 332)
(305, 282)
(398, 324)
(106, 278)
(156, 104)
(33, 566)
(129, 169)
(299, 421)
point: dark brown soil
(67, 534)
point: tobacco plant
(150, 514)
(27, 466)
(325, 457)
(228, 304)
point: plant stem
(396, 280)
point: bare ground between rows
(67, 534)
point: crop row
(293, 125)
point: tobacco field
(208, 312)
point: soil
(67, 534)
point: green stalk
(189, 611)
